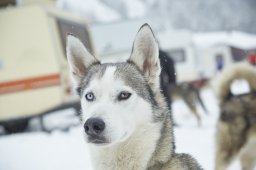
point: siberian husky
(236, 129)
(126, 121)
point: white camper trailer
(225, 47)
(34, 75)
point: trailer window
(178, 55)
(76, 29)
(240, 54)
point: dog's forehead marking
(108, 76)
(106, 82)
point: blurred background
(39, 111)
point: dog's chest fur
(133, 154)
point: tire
(16, 126)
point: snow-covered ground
(67, 150)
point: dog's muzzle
(94, 128)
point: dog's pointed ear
(79, 59)
(145, 53)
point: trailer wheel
(16, 126)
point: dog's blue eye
(124, 96)
(89, 96)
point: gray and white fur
(127, 123)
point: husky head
(116, 98)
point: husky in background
(236, 128)
(126, 120)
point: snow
(43, 151)
(67, 150)
(61, 120)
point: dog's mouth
(97, 140)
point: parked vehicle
(34, 78)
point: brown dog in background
(190, 94)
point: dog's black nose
(94, 126)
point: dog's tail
(240, 70)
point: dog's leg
(248, 160)
(223, 155)
(189, 100)
(197, 92)
(248, 154)
(195, 112)
(229, 140)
